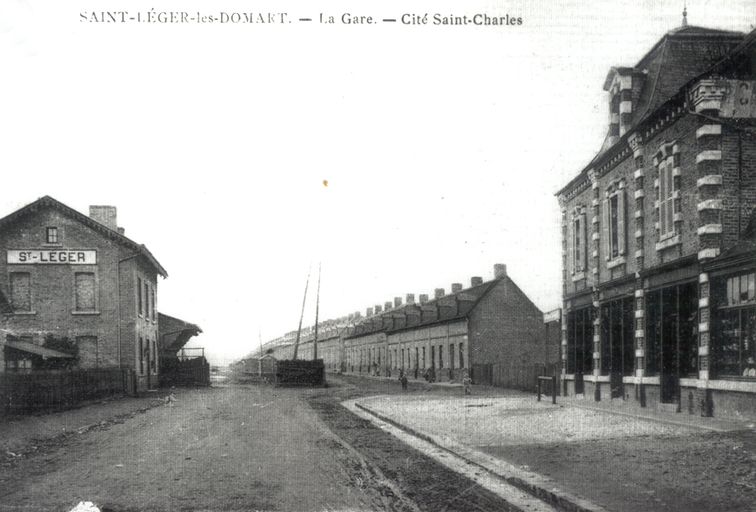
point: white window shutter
(605, 234)
(621, 222)
(584, 247)
(571, 246)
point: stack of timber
(296, 372)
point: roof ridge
(86, 220)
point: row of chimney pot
(107, 216)
(499, 271)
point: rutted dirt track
(237, 448)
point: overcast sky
(442, 147)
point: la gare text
(425, 19)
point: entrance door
(672, 339)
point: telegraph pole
(299, 330)
(317, 311)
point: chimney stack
(105, 215)
(369, 312)
(387, 305)
(397, 302)
(410, 298)
(476, 281)
(500, 270)
(423, 298)
(378, 308)
(456, 287)
(357, 315)
(438, 293)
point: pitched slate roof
(464, 303)
(680, 57)
(49, 202)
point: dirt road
(238, 448)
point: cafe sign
(52, 257)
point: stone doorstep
(534, 484)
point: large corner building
(658, 255)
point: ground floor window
(580, 341)
(461, 355)
(733, 332)
(617, 337)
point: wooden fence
(511, 375)
(189, 372)
(59, 389)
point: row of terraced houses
(658, 257)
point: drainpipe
(118, 302)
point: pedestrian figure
(403, 380)
(467, 383)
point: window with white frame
(666, 194)
(579, 243)
(614, 223)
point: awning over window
(31, 348)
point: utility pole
(317, 311)
(259, 358)
(299, 330)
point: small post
(553, 389)
(538, 379)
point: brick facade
(676, 183)
(489, 329)
(107, 334)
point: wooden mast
(299, 330)
(317, 311)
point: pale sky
(442, 146)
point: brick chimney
(476, 281)
(105, 215)
(369, 312)
(410, 299)
(438, 293)
(397, 302)
(387, 305)
(500, 270)
(423, 298)
(378, 308)
(456, 287)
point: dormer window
(51, 235)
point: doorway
(672, 337)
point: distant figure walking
(403, 379)
(467, 383)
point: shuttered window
(20, 284)
(579, 243)
(614, 222)
(85, 291)
(666, 199)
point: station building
(78, 292)
(657, 250)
